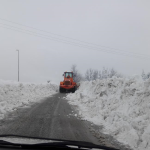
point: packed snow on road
(120, 105)
(14, 95)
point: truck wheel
(60, 89)
(73, 90)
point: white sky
(122, 25)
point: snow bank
(121, 105)
(14, 94)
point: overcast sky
(119, 33)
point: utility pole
(18, 65)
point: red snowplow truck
(68, 84)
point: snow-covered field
(121, 105)
(14, 94)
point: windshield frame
(70, 74)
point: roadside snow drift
(14, 94)
(121, 105)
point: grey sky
(123, 25)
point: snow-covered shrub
(145, 76)
(91, 74)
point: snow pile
(14, 94)
(121, 105)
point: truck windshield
(68, 74)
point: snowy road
(52, 118)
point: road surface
(52, 118)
